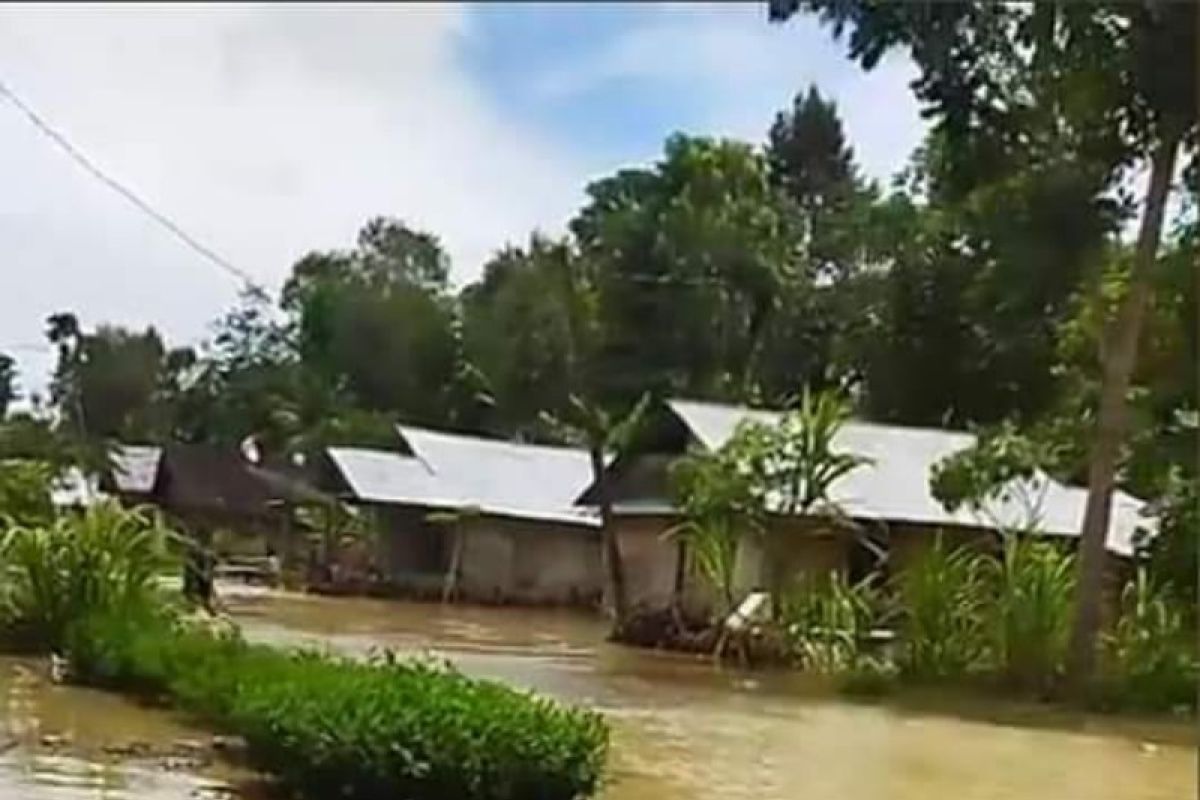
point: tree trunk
(613, 565)
(1119, 360)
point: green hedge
(332, 727)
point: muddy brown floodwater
(684, 729)
(69, 743)
(681, 727)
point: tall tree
(686, 256)
(1108, 71)
(515, 331)
(375, 323)
(813, 165)
(113, 383)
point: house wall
(529, 561)
(791, 549)
(650, 560)
(409, 543)
(908, 542)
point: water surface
(685, 729)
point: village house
(891, 513)
(474, 518)
(208, 488)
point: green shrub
(25, 493)
(827, 621)
(940, 598)
(1030, 592)
(103, 560)
(1150, 655)
(332, 727)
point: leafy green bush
(332, 727)
(940, 597)
(1151, 651)
(827, 621)
(1030, 591)
(103, 560)
(25, 493)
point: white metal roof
(498, 477)
(380, 476)
(135, 467)
(456, 471)
(895, 485)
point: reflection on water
(684, 729)
(69, 743)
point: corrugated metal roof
(518, 480)
(895, 486)
(379, 476)
(135, 467)
(455, 471)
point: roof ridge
(852, 421)
(487, 441)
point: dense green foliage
(827, 621)
(942, 627)
(333, 727)
(25, 493)
(56, 571)
(1150, 651)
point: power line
(87, 164)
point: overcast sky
(270, 131)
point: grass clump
(102, 561)
(1150, 653)
(334, 727)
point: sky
(270, 131)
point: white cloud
(728, 59)
(265, 131)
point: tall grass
(103, 560)
(827, 621)
(1150, 653)
(1029, 594)
(941, 599)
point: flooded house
(206, 488)
(891, 515)
(479, 519)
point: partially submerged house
(205, 488)
(888, 501)
(487, 520)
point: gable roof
(506, 478)
(381, 476)
(212, 478)
(895, 485)
(455, 471)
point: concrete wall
(527, 561)
(790, 550)
(409, 544)
(908, 542)
(650, 560)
